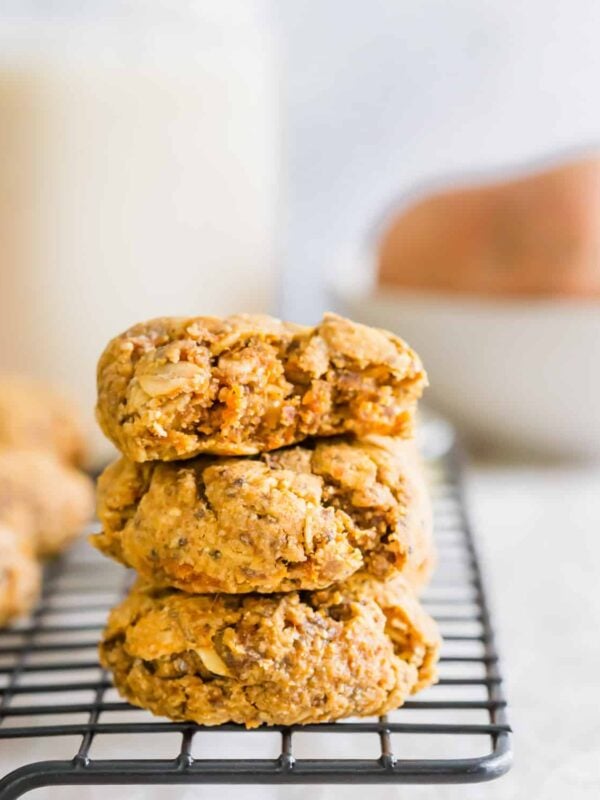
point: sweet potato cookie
(42, 499)
(20, 575)
(173, 388)
(299, 518)
(360, 648)
(34, 416)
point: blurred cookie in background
(44, 500)
(20, 575)
(35, 416)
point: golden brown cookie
(43, 499)
(360, 648)
(173, 388)
(20, 575)
(299, 518)
(33, 416)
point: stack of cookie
(272, 503)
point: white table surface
(539, 532)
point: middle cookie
(299, 518)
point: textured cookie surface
(173, 388)
(20, 575)
(42, 499)
(360, 648)
(299, 518)
(33, 416)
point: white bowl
(517, 374)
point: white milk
(138, 166)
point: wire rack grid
(54, 695)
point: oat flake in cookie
(173, 388)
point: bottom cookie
(356, 649)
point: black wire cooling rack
(57, 704)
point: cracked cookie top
(173, 388)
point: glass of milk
(138, 173)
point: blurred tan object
(20, 575)
(138, 174)
(43, 500)
(34, 416)
(536, 236)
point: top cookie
(173, 388)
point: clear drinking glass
(138, 173)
